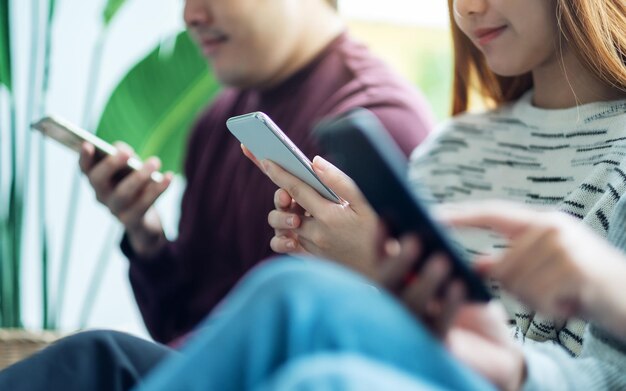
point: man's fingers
(102, 174)
(87, 153)
(146, 199)
(129, 188)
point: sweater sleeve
(160, 284)
(156, 284)
(601, 365)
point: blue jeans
(291, 310)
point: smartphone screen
(267, 141)
(73, 137)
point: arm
(539, 236)
(162, 284)
(555, 264)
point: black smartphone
(358, 144)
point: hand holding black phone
(358, 144)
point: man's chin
(233, 79)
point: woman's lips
(486, 35)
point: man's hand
(129, 199)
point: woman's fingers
(302, 193)
(395, 268)
(280, 220)
(340, 183)
(422, 291)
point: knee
(302, 276)
(87, 340)
(344, 371)
(311, 290)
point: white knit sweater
(570, 159)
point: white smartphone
(73, 137)
(266, 141)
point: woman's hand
(555, 264)
(474, 333)
(304, 220)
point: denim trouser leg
(344, 372)
(91, 360)
(292, 308)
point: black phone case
(358, 145)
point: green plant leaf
(156, 103)
(111, 9)
(5, 45)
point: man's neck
(313, 39)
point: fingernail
(290, 245)
(290, 221)
(321, 163)
(153, 163)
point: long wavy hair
(595, 30)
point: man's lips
(211, 44)
(486, 35)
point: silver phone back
(266, 141)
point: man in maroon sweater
(291, 59)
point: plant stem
(43, 226)
(11, 295)
(98, 275)
(70, 222)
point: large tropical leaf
(154, 106)
(5, 45)
(111, 9)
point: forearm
(160, 289)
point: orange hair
(593, 29)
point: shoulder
(372, 78)
(371, 84)
(464, 128)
